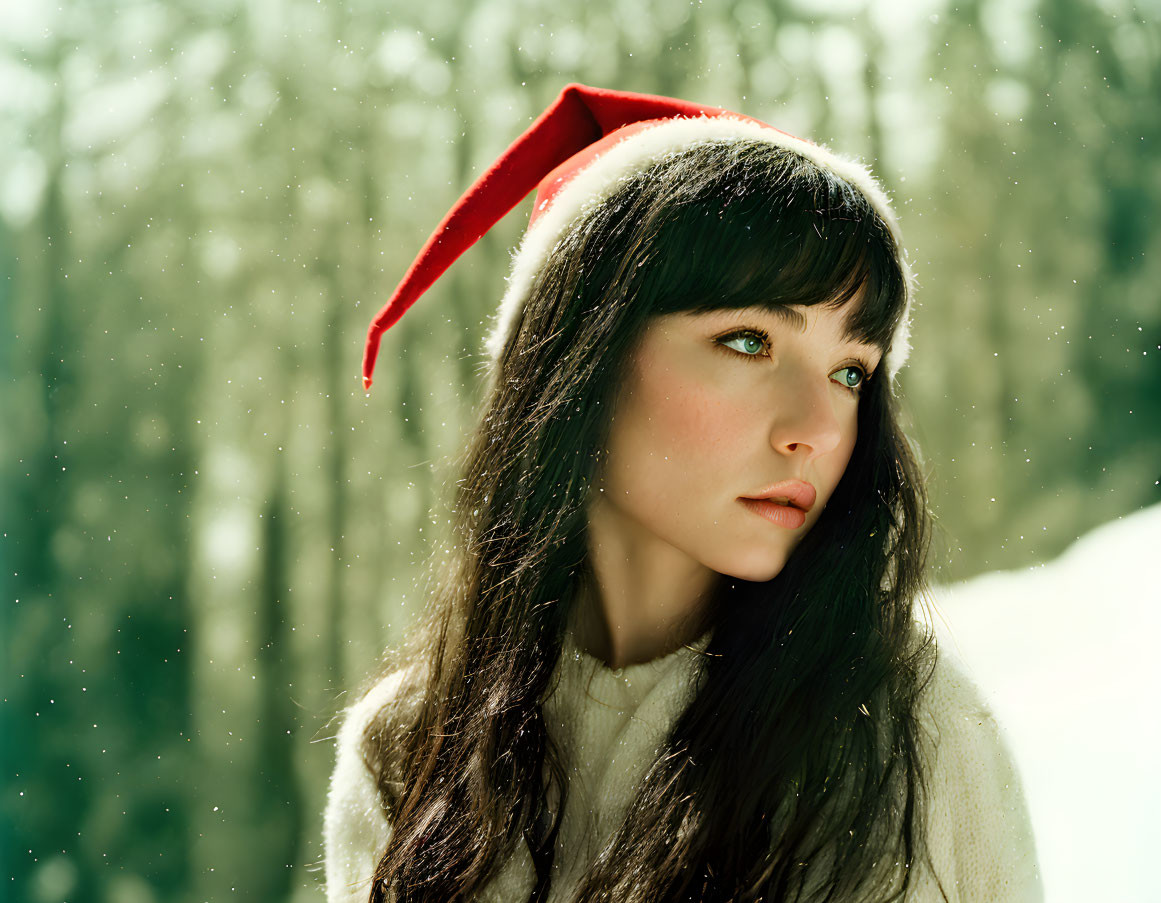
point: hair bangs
(770, 230)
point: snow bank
(1067, 655)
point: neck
(639, 600)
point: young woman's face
(716, 408)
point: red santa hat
(575, 154)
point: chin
(759, 568)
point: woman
(638, 681)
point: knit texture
(611, 723)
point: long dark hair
(794, 773)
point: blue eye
(752, 342)
(850, 377)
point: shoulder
(355, 826)
(979, 831)
(952, 708)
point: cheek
(678, 428)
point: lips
(783, 515)
(791, 493)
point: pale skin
(706, 416)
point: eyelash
(765, 337)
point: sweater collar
(627, 687)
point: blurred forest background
(208, 532)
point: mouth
(784, 504)
(788, 494)
(787, 516)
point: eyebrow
(790, 316)
(787, 315)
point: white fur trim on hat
(597, 181)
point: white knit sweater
(612, 723)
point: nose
(805, 420)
